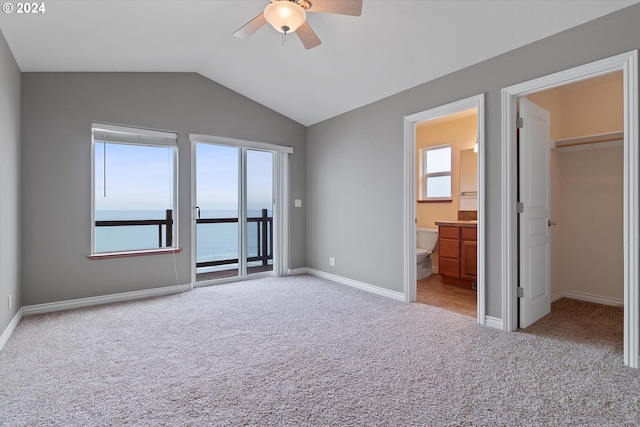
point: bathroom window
(435, 184)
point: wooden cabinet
(449, 251)
(469, 254)
(458, 254)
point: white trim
(8, 331)
(242, 212)
(356, 284)
(627, 63)
(281, 214)
(231, 142)
(409, 250)
(194, 213)
(298, 271)
(103, 299)
(583, 296)
(493, 322)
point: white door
(534, 193)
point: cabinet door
(469, 260)
(449, 267)
(469, 233)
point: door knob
(550, 223)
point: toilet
(426, 242)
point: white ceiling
(393, 46)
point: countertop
(458, 223)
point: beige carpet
(301, 351)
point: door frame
(280, 204)
(628, 64)
(410, 218)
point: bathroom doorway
(453, 131)
(447, 181)
(527, 298)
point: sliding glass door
(217, 212)
(234, 194)
(259, 221)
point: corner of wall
(10, 194)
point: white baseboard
(298, 271)
(493, 322)
(354, 283)
(583, 296)
(434, 269)
(6, 334)
(103, 299)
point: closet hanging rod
(590, 139)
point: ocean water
(213, 241)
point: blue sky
(217, 178)
(139, 178)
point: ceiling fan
(288, 16)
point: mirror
(468, 180)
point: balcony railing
(264, 234)
(264, 239)
(167, 222)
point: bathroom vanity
(458, 252)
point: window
(436, 173)
(134, 190)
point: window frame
(424, 175)
(136, 136)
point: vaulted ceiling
(394, 45)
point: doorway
(586, 189)
(411, 193)
(239, 193)
(535, 295)
(447, 200)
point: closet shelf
(590, 141)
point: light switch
(297, 203)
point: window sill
(129, 254)
(435, 201)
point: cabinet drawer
(449, 267)
(469, 233)
(449, 248)
(449, 232)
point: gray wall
(355, 161)
(10, 82)
(57, 112)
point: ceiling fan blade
(251, 27)
(341, 7)
(307, 36)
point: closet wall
(586, 190)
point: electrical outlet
(10, 302)
(332, 262)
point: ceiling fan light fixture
(285, 16)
